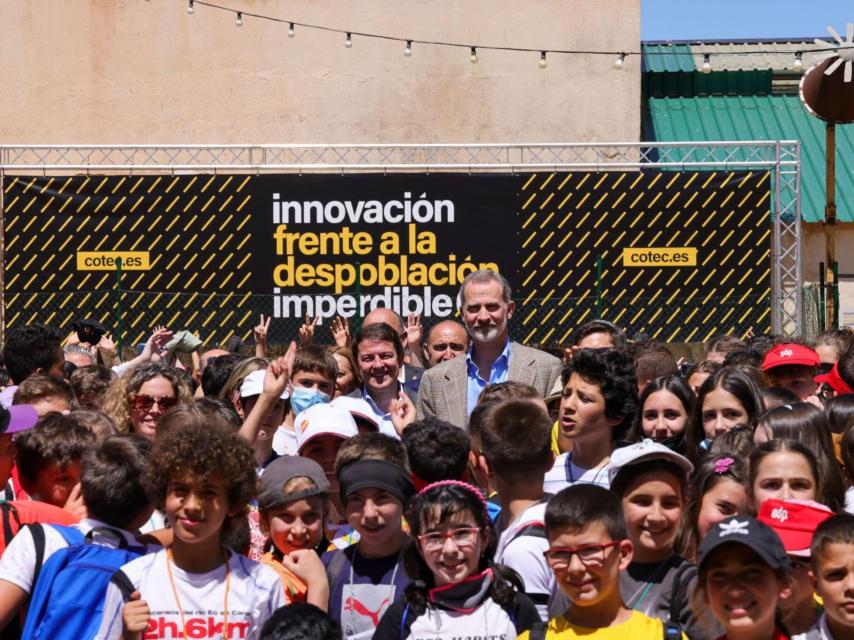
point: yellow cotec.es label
(108, 260)
(660, 257)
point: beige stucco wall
(134, 71)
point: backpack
(68, 592)
(11, 524)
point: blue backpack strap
(69, 534)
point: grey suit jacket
(444, 388)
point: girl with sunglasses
(138, 399)
(456, 591)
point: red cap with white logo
(795, 521)
(784, 354)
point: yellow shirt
(638, 627)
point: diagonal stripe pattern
(568, 222)
(195, 228)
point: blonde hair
(122, 391)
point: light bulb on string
(190, 9)
(798, 65)
(618, 63)
(473, 56)
(407, 50)
(291, 31)
(239, 20)
(707, 63)
(543, 62)
(348, 41)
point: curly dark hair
(613, 371)
(446, 501)
(437, 450)
(204, 452)
(29, 348)
(300, 621)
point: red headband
(462, 485)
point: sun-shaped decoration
(844, 53)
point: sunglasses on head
(146, 403)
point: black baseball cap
(281, 471)
(750, 532)
(17, 418)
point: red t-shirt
(22, 512)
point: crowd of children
(276, 498)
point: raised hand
(75, 504)
(306, 331)
(341, 332)
(261, 331)
(279, 372)
(402, 412)
(414, 330)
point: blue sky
(730, 19)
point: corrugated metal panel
(671, 58)
(724, 58)
(688, 84)
(775, 117)
(675, 57)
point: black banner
(679, 256)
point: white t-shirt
(524, 554)
(285, 442)
(19, 560)
(254, 593)
(849, 500)
(566, 473)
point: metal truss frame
(781, 158)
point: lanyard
(169, 561)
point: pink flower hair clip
(723, 465)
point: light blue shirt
(383, 419)
(498, 373)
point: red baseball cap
(784, 354)
(795, 521)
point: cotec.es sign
(107, 260)
(660, 257)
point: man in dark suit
(449, 390)
(378, 354)
(410, 371)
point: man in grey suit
(449, 390)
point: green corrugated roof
(767, 117)
(670, 57)
(663, 57)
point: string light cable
(473, 49)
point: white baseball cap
(323, 419)
(360, 410)
(253, 385)
(643, 451)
